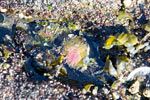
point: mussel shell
(1, 18)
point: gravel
(94, 15)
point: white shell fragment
(94, 92)
(112, 70)
(121, 63)
(132, 50)
(146, 92)
(8, 37)
(84, 91)
(146, 44)
(87, 88)
(139, 47)
(115, 95)
(141, 71)
(127, 3)
(70, 35)
(134, 87)
(3, 10)
(141, 1)
(21, 15)
(146, 48)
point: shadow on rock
(3, 32)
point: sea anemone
(73, 56)
(75, 50)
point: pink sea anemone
(75, 50)
(73, 56)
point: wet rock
(1, 18)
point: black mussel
(1, 18)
